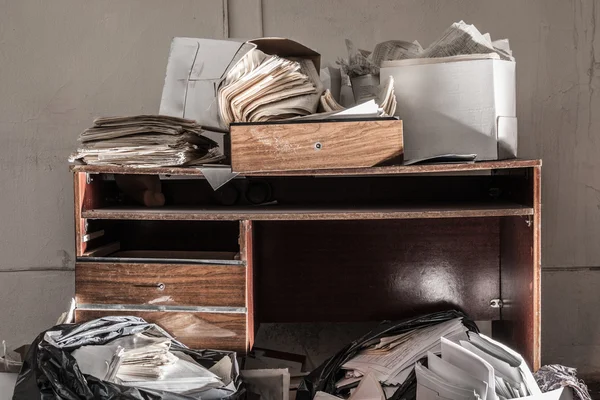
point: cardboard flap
(212, 58)
(287, 48)
(507, 137)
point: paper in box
(457, 105)
(196, 67)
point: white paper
(459, 38)
(443, 388)
(471, 363)
(392, 365)
(455, 375)
(502, 369)
(325, 396)
(523, 368)
(7, 385)
(368, 389)
(183, 376)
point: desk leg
(246, 253)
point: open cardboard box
(196, 68)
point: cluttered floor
(167, 264)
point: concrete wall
(66, 61)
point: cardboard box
(196, 68)
(311, 145)
(464, 106)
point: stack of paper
(478, 368)
(329, 104)
(461, 38)
(386, 101)
(392, 359)
(145, 141)
(182, 376)
(263, 88)
(145, 361)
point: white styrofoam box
(457, 105)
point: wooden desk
(339, 245)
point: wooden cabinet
(329, 245)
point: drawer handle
(159, 286)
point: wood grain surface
(520, 260)
(318, 145)
(247, 255)
(196, 330)
(182, 285)
(385, 170)
(341, 271)
(275, 212)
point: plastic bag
(50, 372)
(327, 374)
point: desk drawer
(161, 284)
(197, 330)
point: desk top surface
(387, 170)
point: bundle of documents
(461, 38)
(479, 368)
(182, 376)
(145, 141)
(386, 99)
(363, 62)
(141, 360)
(264, 87)
(392, 358)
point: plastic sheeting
(50, 372)
(327, 374)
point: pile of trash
(125, 358)
(436, 356)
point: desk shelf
(299, 213)
(339, 246)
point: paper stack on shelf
(264, 87)
(478, 368)
(145, 141)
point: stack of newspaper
(263, 87)
(145, 141)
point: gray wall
(66, 61)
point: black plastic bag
(327, 374)
(50, 372)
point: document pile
(391, 359)
(265, 87)
(145, 141)
(477, 368)
(145, 361)
(386, 100)
(460, 41)
(461, 38)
